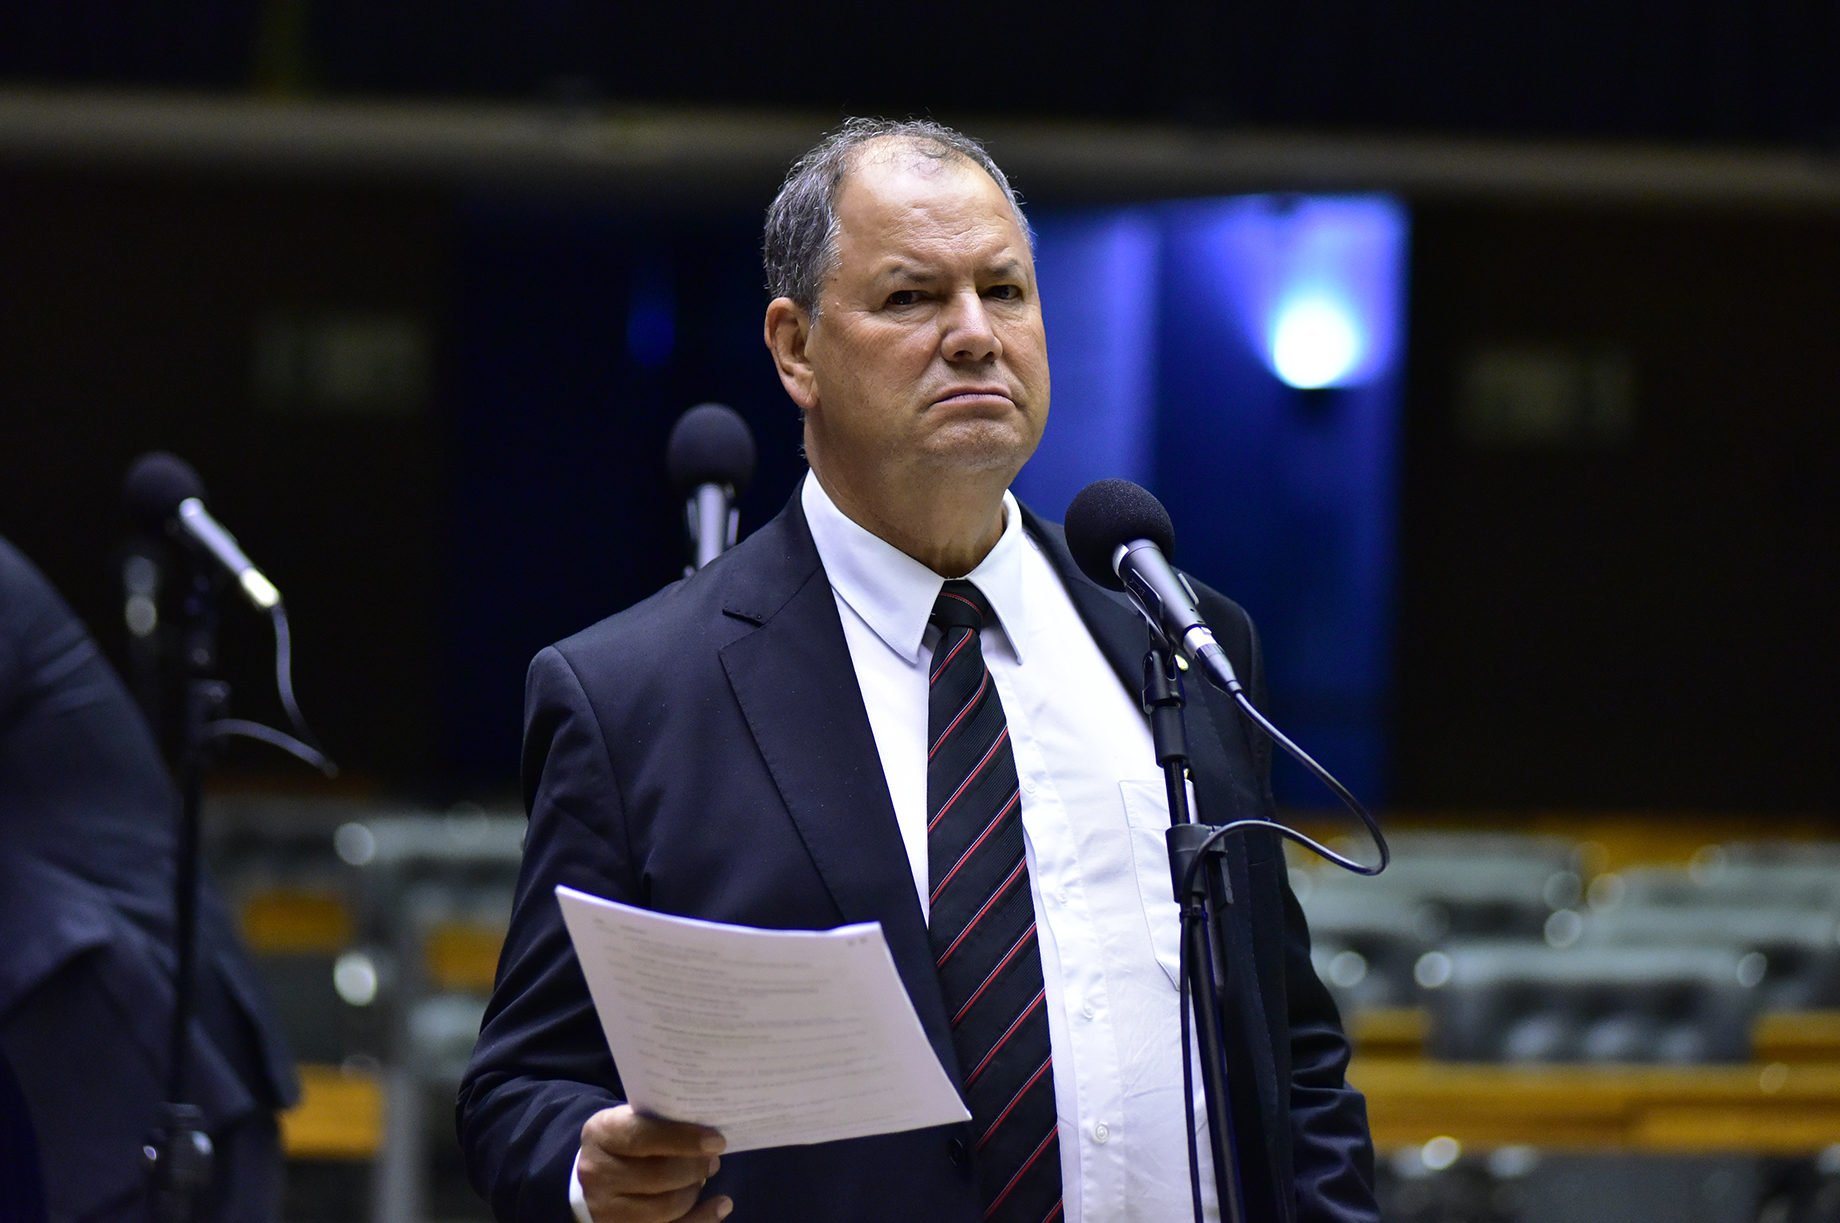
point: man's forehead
(891, 166)
(882, 195)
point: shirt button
(1102, 1133)
(1028, 785)
(1087, 1010)
(1060, 897)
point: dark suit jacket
(707, 753)
(88, 830)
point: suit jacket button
(960, 1153)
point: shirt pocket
(1146, 813)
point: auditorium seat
(1525, 1002)
(1716, 880)
(1792, 953)
(1455, 885)
(1364, 951)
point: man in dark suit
(819, 728)
(88, 829)
(22, 1195)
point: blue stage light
(1316, 340)
(1330, 290)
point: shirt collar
(893, 592)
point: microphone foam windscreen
(710, 444)
(155, 485)
(1108, 513)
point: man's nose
(966, 330)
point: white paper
(774, 1037)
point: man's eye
(1006, 293)
(904, 297)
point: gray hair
(799, 247)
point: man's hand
(638, 1169)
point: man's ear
(788, 331)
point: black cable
(226, 728)
(1337, 788)
(284, 673)
(1285, 830)
(302, 745)
(1184, 966)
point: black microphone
(710, 458)
(1121, 537)
(162, 492)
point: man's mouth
(968, 394)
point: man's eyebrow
(912, 269)
(904, 268)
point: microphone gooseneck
(1120, 536)
(163, 493)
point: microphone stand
(1204, 897)
(178, 1154)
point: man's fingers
(621, 1131)
(648, 1170)
(641, 1175)
(710, 1211)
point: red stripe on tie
(979, 992)
(965, 784)
(950, 655)
(1021, 865)
(1021, 1172)
(1053, 1214)
(953, 725)
(948, 594)
(988, 829)
(1014, 1100)
(1004, 1039)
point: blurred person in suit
(89, 824)
(22, 1195)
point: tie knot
(960, 605)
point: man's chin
(980, 446)
(979, 462)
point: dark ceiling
(1693, 71)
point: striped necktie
(982, 923)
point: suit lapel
(796, 686)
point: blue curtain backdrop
(1168, 326)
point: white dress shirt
(1093, 818)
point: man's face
(927, 357)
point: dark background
(1726, 70)
(1642, 622)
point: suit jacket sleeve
(1334, 1158)
(1332, 1153)
(541, 1067)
